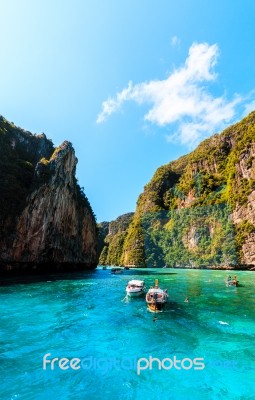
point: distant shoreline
(220, 268)
(20, 270)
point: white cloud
(249, 107)
(111, 105)
(182, 98)
(175, 41)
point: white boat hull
(232, 283)
(134, 293)
(135, 288)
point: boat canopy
(156, 290)
(136, 282)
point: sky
(132, 84)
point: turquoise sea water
(83, 316)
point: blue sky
(132, 84)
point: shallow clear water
(83, 316)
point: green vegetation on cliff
(195, 236)
(111, 239)
(218, 175)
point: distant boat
(135, 288)
(104, 267)
(116, 271)
(156, 298)
(231, 282)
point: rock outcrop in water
(46, 220)
(203, 206)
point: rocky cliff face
(103, 230)
(201, 206)
(244, 219)
(53, 226)
(113, 235)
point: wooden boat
(156, 298)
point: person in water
(229, 278)
(186, 300)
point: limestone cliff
(112, 236)
(47, 222)
(203, 206)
